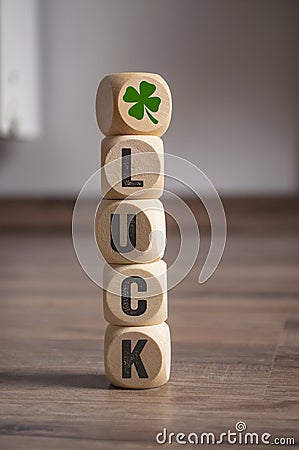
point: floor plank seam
(274, 357)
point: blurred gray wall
(233, 69)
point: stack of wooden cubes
(133, 110)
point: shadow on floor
(73, 380)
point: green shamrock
(143, 101)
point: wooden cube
(132, 165)
(130, 231)
(137, 357)
(133, 103)
(135, 294)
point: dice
(137, 357)
(133, 110)
(131, 231)
(133, 103)
(135, 294)
(132, 166)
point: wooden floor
(235, 339)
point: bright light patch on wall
(19, 69)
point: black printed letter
(133, 357)
(126, 296)
(115, 233)
(126, 170)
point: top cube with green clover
(133, 103)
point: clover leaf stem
(155, 121)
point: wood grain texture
(234, 339)
(112, 111)
(145, 164)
